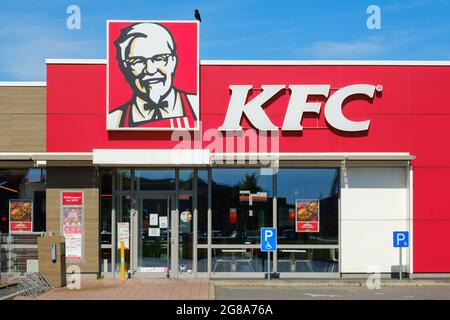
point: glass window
(186, 179)
(316, 193)
(105, 219)
(106, 181)
(238, 260)
(154, 179)
(186, 224)
(26, 184)
(105, 260)
(123, 214)
(202, 206)
(105, 206)
(308, 260)
(242, 204)
(202, 260)
(123, 179)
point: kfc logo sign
(152, 75)
(297, 106)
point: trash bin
(52, 259)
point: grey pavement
(331, 293)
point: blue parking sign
(268, 239)
(401, 239)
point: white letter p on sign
(268, 235)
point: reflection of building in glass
(238, 218)
(23, 184)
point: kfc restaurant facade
(184, 161)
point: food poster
(72, 231)
(20, 215)
(307, 215)
(72, 220)
(72, 224)
(123, 234)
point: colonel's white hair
(142, 30)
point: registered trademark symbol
(379, 88)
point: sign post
(268, 244)
(122, 261)
(401, 240)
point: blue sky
(32, 31)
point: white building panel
(367, 244)
(154, 157)
(374, 204)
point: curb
(211, 290)
(326, 283)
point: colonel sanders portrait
(147, 57)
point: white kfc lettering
(297, 106)
(253, 109)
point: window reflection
(186, 179)
(307, 184)
(26, 184)
(202, 206)
(242, 204)
(105, 205)
(154, 179)
(123, 179)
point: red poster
(72, 221)
(307, 215)
(73, 232)
(72, 198)
(20, 215)
(72, 224)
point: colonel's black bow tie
(156, 107)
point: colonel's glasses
(138, 64)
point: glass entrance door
(186, 234)
(152, 235)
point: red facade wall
(411, 115)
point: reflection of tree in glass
(250, 182)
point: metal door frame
(172, 245)
(193, 203)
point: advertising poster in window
(72, 224)
(20, 215)
(307, 215)
(123, 234)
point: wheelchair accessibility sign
(268, 239)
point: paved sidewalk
(133, 289)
